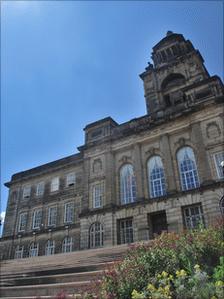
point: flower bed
(174, 266)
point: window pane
(70, 179)
(69, 212)
(127, 184)
(33, 250)
(193, 216)
(187, 168)
(49, 250)
(67, 244)
(98, 193)
(26, 191)
(22, 222)
(157, 185)
(52, 216)
(96, 235)
(40, 189)
(125, 231)
(219, 157)
(54, 184)
(37, 217)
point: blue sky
(65, 64)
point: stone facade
(109, 193)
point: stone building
(131, 181)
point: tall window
(19, 252)
(55, 184)
(96, 235)
(125, 231)
(70, 179)
(127, 184)
(26, 191)
(67, 244)
(52, 216)
(33, 249)
(69, 212)
(40, 189)
(221, 205)
(187, 168)
(98, 192)
(219, 158)
(22, 222)
(37, 217)
(50, 246)
(193, 216)
(157, 185)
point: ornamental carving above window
(213, 130)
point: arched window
(157, 185)
(127, 184)
(19, 252)
(96, 235)
(33, 249)
(67, 244)
(173, 80)
(187, 168)
(50, 246)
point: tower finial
(169, 32)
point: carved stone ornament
(213, 130)
(182, 141)
(124, 159)
(97, 165)
(151, 151)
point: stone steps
(51, 279)
(49, 275)
(44, 289)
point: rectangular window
(40, 189)
(70, 179)
(26, 191)
(37, 217)
(22, 222)
(193, 216)
(19, 252)
(55, 184)
(69, 212)
(98, 193)
(219, 158)
(125, 231)
(52, 216)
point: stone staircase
(46, 276)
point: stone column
(138, 170)
(168, 163)
(201, 155)
(110, 184)
(86, 174)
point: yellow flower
(219, 283)
(213, 297)
(167, 288)
(197, 268)
(151, 287)
(136, 295)
(164, 274)
(177, 273)
(170, 277)
(183, 273)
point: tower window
(167, 100)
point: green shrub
(167, 254)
